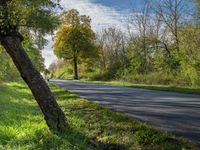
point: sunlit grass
(22, 126)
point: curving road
(172, 112)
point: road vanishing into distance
(171, 112)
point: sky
(104, 13)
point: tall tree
(141, 20)
(173, 14)
(36, 17)
(75, 39)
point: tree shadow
(71, 139)
(89, 143)
(17, 113)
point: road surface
(172, 112)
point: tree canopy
(37, 15)
(74, 39)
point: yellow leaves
(74, 38)
(72, 17)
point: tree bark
(75, 69)
(53, 114)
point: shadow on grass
(21, 119)
(74, 137)
(92, 127)
(106, 125)
(42, 138)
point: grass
(169, 88)
(92, 127)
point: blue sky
(120, 5)
(103, 12)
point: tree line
(161, 45)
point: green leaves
(33, 19)
(75, 37)
(37, 15)
(34, 54)
(72, 17)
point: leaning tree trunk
(53, 115)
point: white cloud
(48, 54)
(102, 17)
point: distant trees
(161, 46)
(156, 45)
(35, 18)
(7, 69)
(141, 21)
(111, 43)
(35, 53)
(74, 39)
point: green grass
(169, 88)
(22, 126)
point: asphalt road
(172, 112)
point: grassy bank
(186, 90)
(92, 127)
